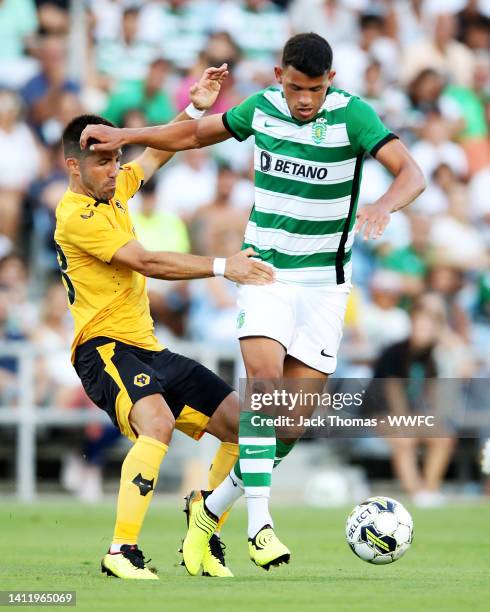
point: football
(379, 530)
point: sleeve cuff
(230, 129)
(120, 241)
(382, 143)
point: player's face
(304, 95)
(98, 172)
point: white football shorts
(307, 321)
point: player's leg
(308, 380)
(119, 379)
(263, 359)
(153, 423)
(223, 425)
(202, 402)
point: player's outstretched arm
(171, 137)
(408, 183)
(239, 268)
(203, 95)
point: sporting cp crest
(319, 130)
(240, 319)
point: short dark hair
(309, 53)
(73, 131)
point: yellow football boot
(201, 525)
(267, 550)
(213, 563)
(128, 564)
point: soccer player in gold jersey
(146, 389)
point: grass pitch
(58, 547)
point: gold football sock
(223, 461)
(139, 474)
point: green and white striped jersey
(307, 178)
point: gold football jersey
(106, 299)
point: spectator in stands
(446, 279)
(410, 369)
(479, 202)
(18, 24)
(474, 25)
(20, 159)
(127, 56)
(49, 195)
(59, 386)
(178, 28)
(258, 27)
(411, 261)
(15, 281)
(147, 95)
(472, 102)
(106, 16)
(220, 49)
(408, 21)
(58, 383)
(218, 215)
(213, 311)
(197, 171)
(381, 320)
(160, 230)
(439, 51)
(425, 95)
(9, 367)
(351, 59)
(454, 228)
(42, 93)
(435, 147)
(331, 19)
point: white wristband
(193, 112)
(219, 266)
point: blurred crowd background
(424, 65)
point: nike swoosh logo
(251, 452)
(267, 124)
(91, 214)
(325, 354)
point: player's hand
(110, 138)
(240, 268)
(203, 94)
(371, 220)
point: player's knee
(224, 422)
(160, 427)
(156, 421)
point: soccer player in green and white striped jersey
(310, 142)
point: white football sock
(258, 514)
(224, 496)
